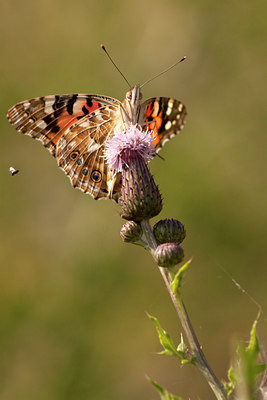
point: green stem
(200, 359)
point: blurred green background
(73, 297)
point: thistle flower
(129, 152)
(125, 145)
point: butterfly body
(76, 127)
(130, 107)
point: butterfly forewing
(164, 116)
(47, 118)
(70, 125)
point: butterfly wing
(164, 116)
(69, 123)
(74, 128)
(80, 153)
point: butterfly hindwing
(80, 153)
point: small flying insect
(13, 171)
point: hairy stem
(200, 359)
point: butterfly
(76, 127)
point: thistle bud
(129, 152)
(169, 230)
(140, 197)
(131, 232)
(168, 254)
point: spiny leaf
(245, 378)
(166, 340)
(176, 283)
(253, 347)
(249, 355)
(233, 380)
(164, 394)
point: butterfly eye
(96, 176)
(74, 155)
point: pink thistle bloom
(133, 143)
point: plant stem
(200, 359)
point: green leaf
(249, 369)
(190, 360)
(183, 349)
(164, 394)
(182, 346)
(248, 358)
(176, 283)
(166, 340)
(233, 380)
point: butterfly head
(134, 95)
(131, 105)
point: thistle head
(128, 153)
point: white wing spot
(84, 124)
(168, 125)
(62, 143)
(170, 107)
(110, 185)
(26, 105)
(93, 146)
(71, 145)
(180, 107)
(76, 107)
(165, 141)
(48, 109)
(15, 114)
(41, 124)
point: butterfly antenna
(163, 72)
(103, 48)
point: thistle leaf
(244, 378)
(166, 340)
(164, 394)
(176, 283)
(249, 367)
(233, 380)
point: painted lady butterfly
(75, 128)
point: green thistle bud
(131, 232)
(169, 230)
(168, 254)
